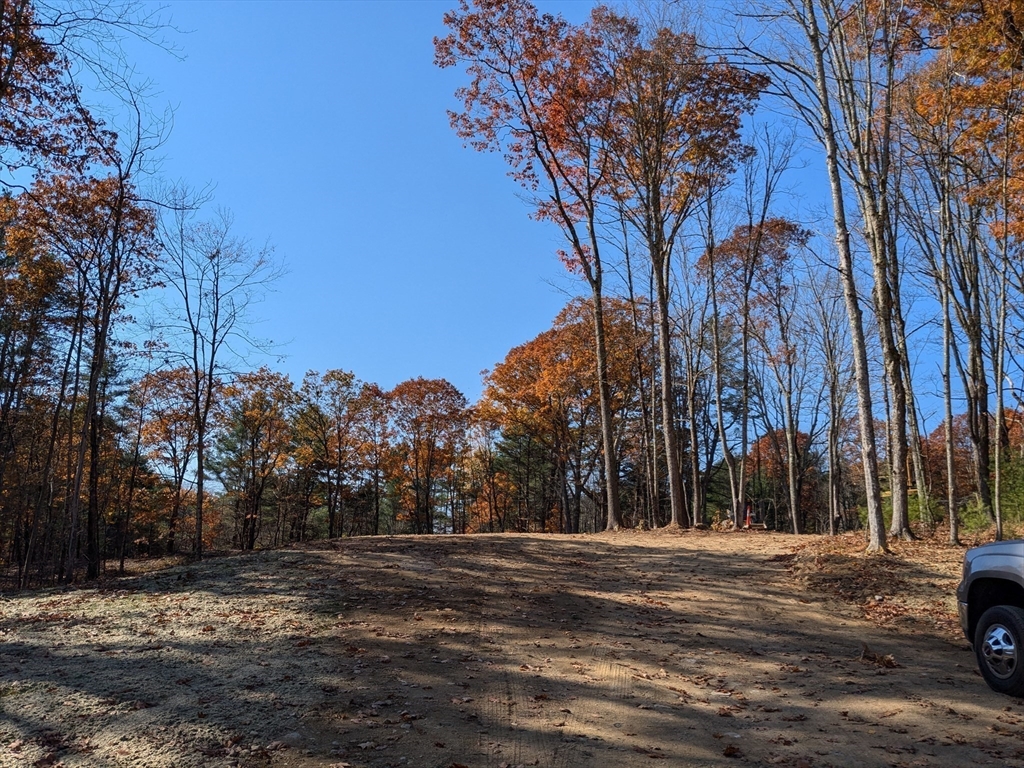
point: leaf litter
(609, 650)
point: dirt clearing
(498, 651)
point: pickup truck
(990, 600)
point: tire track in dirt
(516, 724)
(516, 731)
(599, 652)
(616, 676)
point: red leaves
(540, 93)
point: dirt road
(606, 651)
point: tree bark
(876, 521)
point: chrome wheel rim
(999, 651)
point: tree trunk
(611, 469)
(947, 392)
(668, 429)
(793, 470)
(93, 515)
(876, 521)
(200, 477)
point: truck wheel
(999, 646)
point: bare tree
(832, 340)
(216, 278)
(849, 110)
(732, 266)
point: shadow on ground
(491, 651)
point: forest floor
(496, 651)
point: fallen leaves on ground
(913, 585)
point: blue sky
(322, 127)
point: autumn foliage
(704, 367)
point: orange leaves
(752, 265)
(544, 394)
(29, 273)
(984, 36)
(549, 384)
(584, 112)
(964, 102)
(99, 228)
(428, 407)
(538, 93)
(675, 128)
(41, 114)
(168, 430)
(508, 50)
(255, 437)
(431, 418)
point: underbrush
(931, 520)
(913, 586)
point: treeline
(88, 237)
(729, 361)
(332, 456)
(639, 140)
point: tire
(999, 648)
